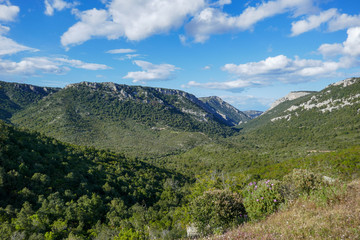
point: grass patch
(331, 213)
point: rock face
(229, 113)
(289, 97)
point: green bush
(217, 210)
(300, 181)
(262, 198)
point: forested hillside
(190, 175)
(136, 120)
(15, 97)
(51, 189)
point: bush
(262, 198)
(217, 210)
(300, 181)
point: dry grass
(308, 218)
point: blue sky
(248, 52)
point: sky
(248, 52)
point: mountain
(232, 115)
(318, 122)
(15, 97)
(134, 119)
(253, 113)
(291, 96)
(326, 119)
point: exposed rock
(289, 97)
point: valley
(110, 161)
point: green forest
(106, 161)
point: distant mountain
(15, 97)
(134, 119)
(331, 116)
(232, 115)
(253, 113)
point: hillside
(318, 122)
(232, 115)
(15, 97)
(323, 120)
(51, 190)
(302, 151)
(132, 119)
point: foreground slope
(134, 119)
(50, 189)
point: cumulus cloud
(59, 5)
(151, 72)
(117, 51)
(81, 64)
(37, 65)
(343, 21)
(312, 22)
(9, 46)
(284, 68)
(332, 18)
(134, 20)
(214, 21)
(8, 12)
(351, 47)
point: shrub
(217, 210)
(262, 198)
(300, 181)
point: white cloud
(206, 67)
(9, 46)
(343, 21)
(284, 68)
(31, 66)
(37, 65)
(236, 85)
(81, 64)
(117, 51)
(130, 56)
(334, 20)
(214, 21)
(8, 12)
(59, 5)
(134, 20)
(4, 29)
(351, 47)
(151, 72)
(312, 22)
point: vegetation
(136, 120)
(182, 168)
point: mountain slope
(134, 119)
(327, 119)
(48, 187)
(15, 97)
(232, 115)
(316, 123)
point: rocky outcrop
(289, 97)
